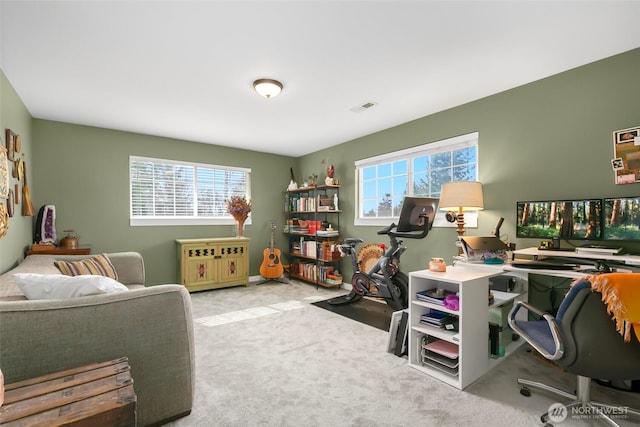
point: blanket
(621, 295)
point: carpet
(368, 311)
(309, 367)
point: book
(327, 233)
(434, 296)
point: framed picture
(4, 173)
(398, 333)
(627, 135)
(626, 155)
(11, 144)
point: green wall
(547, 139)
(14, 116)
(84, 172)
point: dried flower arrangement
(238, 207)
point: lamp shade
(465, 195)
(268, 88)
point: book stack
(434, 296)
(316, 273)
(334, 279)
(328, 233)
(329, 252)
(324, 272)
(440, 319)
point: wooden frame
(11, 143)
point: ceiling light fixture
(268, 88)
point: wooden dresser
(213, 263)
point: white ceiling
(184, 69)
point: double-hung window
(383, 181)
(167, 192)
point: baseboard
(253, 279)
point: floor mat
(367, 311)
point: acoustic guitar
(271, 267)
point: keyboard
(542, 265)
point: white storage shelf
(472, 339)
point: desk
(546, 287)
(622, 263)
(470, 343)
(619, 260)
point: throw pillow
(55, 286)
(98, 265)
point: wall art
(4, 173)
(626, 155)
(11, 143)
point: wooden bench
(100, 394)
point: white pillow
(57, 286)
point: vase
(240, 227)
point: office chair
(582, 339)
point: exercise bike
(384, 279)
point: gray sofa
(152, 326)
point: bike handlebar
(420, 234)
(387, 229)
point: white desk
(619, 262)
(535, 253)
(521, 274)
(471, 283)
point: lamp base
(460, 230)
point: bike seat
(352, 241)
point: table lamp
(460, 196)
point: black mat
(372, 313)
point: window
(384, 180)
(166, 192)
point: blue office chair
(582, 339)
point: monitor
(622, 218)
(564, 219)
(412, 209)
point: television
(412, 209)
(621, 218)
(564, 219)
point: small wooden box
(100, 394)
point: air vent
(364, 106)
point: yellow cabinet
(213, 263)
